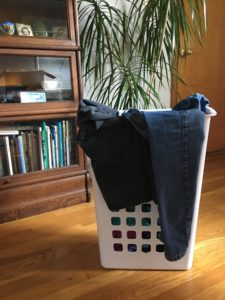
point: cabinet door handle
(185, 52)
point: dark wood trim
(80, 81)
(45, 116)
(41, 197)
(36, 52)
(36, 109)
(76, 18)
(44, 205)
(37, 43)
(9, 182)
(71, 19)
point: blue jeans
(175, 141)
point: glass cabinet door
(37, 19)
(35, 79)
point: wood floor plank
(55, 255)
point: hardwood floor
(55, 255)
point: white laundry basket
(129, 238)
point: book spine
(18, 159)
(29, 151)
(3, 155)
(67, 144)
(56, 146)
(53, 152)
(25, 144)
(64, 142)
(72, 148)
(54, 162)
(45, 146)
(8, 155)
(60, 138)
(13, 154)
(49, 147)
(40, 148)
(22, 157)
(34, 150)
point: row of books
(36, 146)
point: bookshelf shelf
(41, 166)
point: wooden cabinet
(39, 24)
(40, 88)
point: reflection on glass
(32, 79)
(45, 19)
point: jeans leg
(175, 140)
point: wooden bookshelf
(28, 64)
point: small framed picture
(59, 32)
(24, 30)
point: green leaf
(130, 52)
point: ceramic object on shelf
(7, 28)
(51, 84)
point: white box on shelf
(32, 97)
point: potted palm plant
(130, 49)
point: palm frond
(129, 52)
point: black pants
(120, 160)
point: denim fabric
(175, 141)
(141, 156)
(194, 101)
(119, 155)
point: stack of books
(36, 146)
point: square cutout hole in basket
(130, 209)
(117, 234)
(146, 235)
(132, 247)
(131, 221)
(131, 234)
(115, 221)
(146, 248)
(118, 247)
(146, 222)
(146, 207)
(160, 248)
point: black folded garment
(119, 155)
